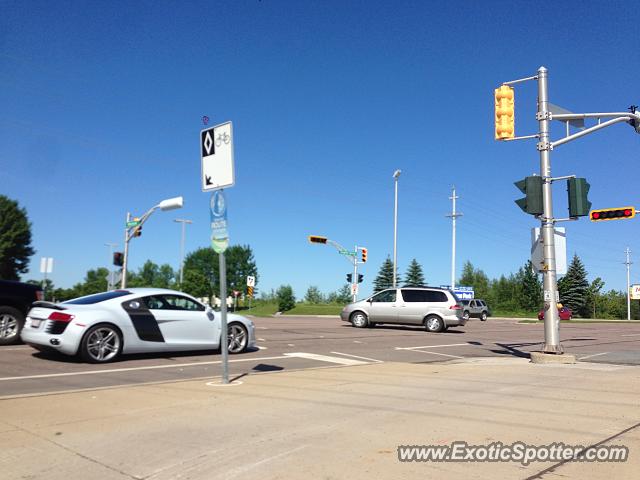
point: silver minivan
(435, 308)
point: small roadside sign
(634, 292)
(46, 265)
(218, 215)
(216, 149)
(251, 281)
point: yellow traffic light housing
(505, 112)
(364, 255)
(621, 213)
(317, 239)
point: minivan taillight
(455, 307)
(61, 317)
(39, 295)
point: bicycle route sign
(216, 153)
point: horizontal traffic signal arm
(620, 213)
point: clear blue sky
(102, 105)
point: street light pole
(453, 216)
(396, 174)
(110, 281)
(628, 264)
(164, 205)
(183, 222)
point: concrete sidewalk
(329, 423)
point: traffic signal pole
(549, 277)
(354, 285)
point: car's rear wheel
(11, 322)
(101, 344)
(434, 324)
(483, 316)
(238, 338)
(359, 320)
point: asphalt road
(294, 343)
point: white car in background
(103, 326)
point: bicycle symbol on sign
(223, 137)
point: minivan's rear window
(98, 297)
(424, 296)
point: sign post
(216, 146)
(46, 266)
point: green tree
(593, 295)
(240, 264)
(573, 287)
(385, 276)
(414, 275)
(313, 295)
(286, 298)
(95, 281)
(531, 297)
(15, 239)
(476, 278)
(196, 284)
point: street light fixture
(396, 174)
(164, 205)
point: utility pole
(453, 217)
(354, 286)
(183, 222)
(628, 264)
(396, 174)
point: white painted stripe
(594, 355)
(260, 347)
(434, 346)
(131, 369)
(436, 353)
(631, 335)
(357, 356)
(261, 340)
(357, 341)
(8, 349)
(290, 345)
(325, 358)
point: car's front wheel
(465, 315)
(359, 320)
(101, 344)
(11, 322)
(238, 338)
(483, 317)
(434, 324)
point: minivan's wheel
(101, 344)
(238, 338)
(434, 324)
(359, 320)
(465, 315)
(11, 322)
(483, 317)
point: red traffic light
(612, 214)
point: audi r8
(101, 327)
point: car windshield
(97, 298)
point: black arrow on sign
(207, 180)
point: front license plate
(35, 323)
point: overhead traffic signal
(505, 112)
(635, 123)
(612, 214)
(118, 259)
(317, 239)
(349, 277)
(137, 231)
(364, 255)
(532, 188)
(360, 277)
(579, 204)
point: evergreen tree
(385, 276)
(414, 275)
(476, 278)
(15, 239)
(573, 287)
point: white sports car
(100, 327)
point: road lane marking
(434, 346)
(436, 353)
(631, 335)
(325, 358)
(261, 340)
(357, 356)
(594, 355)
(290, 345)
(357, 341)
(260, 347)
(17, 348)
(131, 369)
